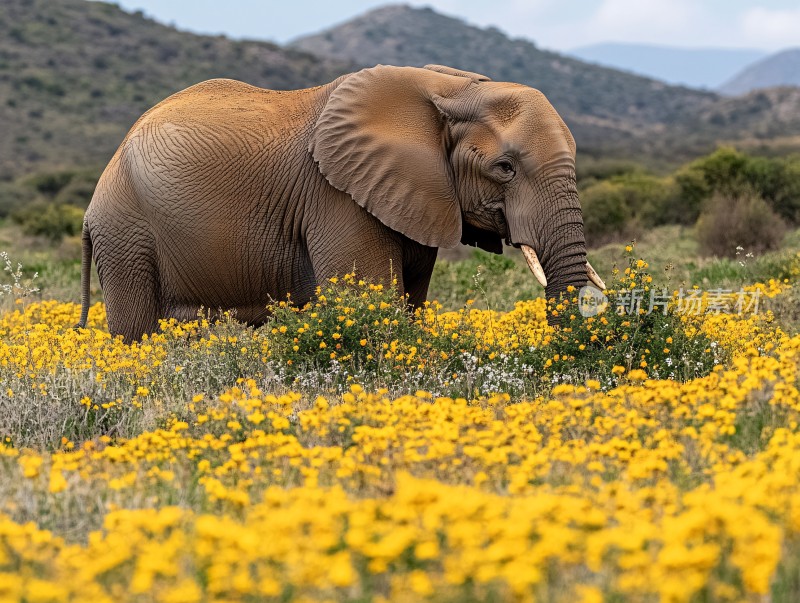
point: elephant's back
(213, 98)
(236, 110)
(219, 133)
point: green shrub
(78, 191)
(14, 197)
(606, 214)
(740, 221)
(778, 182)
(618, 208)
(658, 201)
(53, 221)
(30, 194)
(723, 170)
(49, 183)
(364, 332)
(728, 171)
(693, 192)
(631, 334)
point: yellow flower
(57, 481)
(340, 570)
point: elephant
(225, 196)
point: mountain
(75, 75)
(694, 67)
(765, 120)
(610, 112)
(779, 69)
(592, 96)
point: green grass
(672, 252)
(675, 260)
(57, 265)
(492, 281)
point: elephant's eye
(505, 167)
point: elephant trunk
(552, 240)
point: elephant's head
(446, 156)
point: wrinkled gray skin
(225, 195)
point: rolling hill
(696, 67)
(74, 76)
(779, 69)
(610, 112)
(400, 34)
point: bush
(729, 171)
(658, 201)
(13, 197)
(363, 331)
(739, 220)
(618, 208)
(49, 183)
(628, 335)
(778, 182)
(620, 200)
(78, 191)
(606, 214)
(50, 220)
(723, 170)
(31, 193)
(693, 192)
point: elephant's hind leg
(126, 264)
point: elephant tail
(86, 273)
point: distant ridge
(74, 76)
(610, 112)
(779, 69)
(695, 67)
(402, 35)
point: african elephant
(225, 195)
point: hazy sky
(556, 24)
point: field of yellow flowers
(347, 452)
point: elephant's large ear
(381, 139)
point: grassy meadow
(351, 451)
(347, 451)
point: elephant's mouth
(535, 266)
(493, 219)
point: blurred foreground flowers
(216, 462)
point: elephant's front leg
(418, 261)
(355, 241)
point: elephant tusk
(594, 277)
(534, 265)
